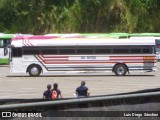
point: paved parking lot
(23, 86)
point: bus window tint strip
(87, 50)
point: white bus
(50, 54)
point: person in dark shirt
(47, 93)
(82, 90)
(58, 92)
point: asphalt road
(23, 86)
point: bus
(36, 55)
(5, 40)
(157, 47)
(157, 43)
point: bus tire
(34, 70)
(120, 70)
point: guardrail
(129, 101)
(131, 98)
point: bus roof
(6, 36)
(106, 35)
(49, 41)
(11, 36)
(30, 37)
(91, 35)
(144, 34)
(143, 37)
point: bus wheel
(34, 70)
(120, 70)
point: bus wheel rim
(120, 70)
(34, 71)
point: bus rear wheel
(34, 70)
(120, 70)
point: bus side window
(16, 52)
(7, 43)
(49, 51)
(1, 43)
(4, 43)
(102, 51)
(67, 51)
(146, 50)
(30, 52)
(120, 51)
(85, 51)
(135, 51)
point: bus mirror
(5, 51)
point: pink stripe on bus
(36, 37)
(42, 37)
(68, 62)
(54, 56)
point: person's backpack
(54, 94)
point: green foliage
(68, 16)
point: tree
(66, 16)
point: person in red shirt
(56, 93)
